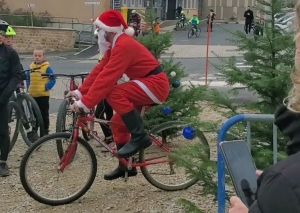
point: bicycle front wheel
(190, 33)
(43, 153)
(167, 140)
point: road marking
(90, 46)
(212, 84)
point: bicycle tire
(199, 32)
(38, 114)
(145, 172)
(190, 33)
(61, 119)
(18, 111)
(68, 200)
(60, 122)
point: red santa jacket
(126, 57)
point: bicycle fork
(70, 152)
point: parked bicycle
(15, 122)
(64, 113)
(32, 121)
(194, 31)
(166, 138)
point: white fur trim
(103, 26)
(81, 105)
(78, 94)
(129, 31)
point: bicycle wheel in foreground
(14, 124)
(40, 175)
(168, 176)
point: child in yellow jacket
(38, 86)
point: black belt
(155, 71)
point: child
(156, 26)
(39, 87)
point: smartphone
(241, 169)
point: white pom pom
(173, 74)
(129, 31)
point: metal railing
(222, 137)
(35, 20)
(86, 35)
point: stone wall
(50, 39)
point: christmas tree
(270, 58)
(182, 102)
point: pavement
(190, 53)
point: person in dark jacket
(279, 184)
(249, 17)
(10, 77)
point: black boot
(139, 137)
(3, 169)
(120, 170)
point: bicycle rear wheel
(14, 122)
(32, 119)
(43, 152)
(166, 134)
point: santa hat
(112, 21)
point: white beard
(102, 43)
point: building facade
(63, 10)
(225, 9)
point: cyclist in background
(135, 19)
(194, 21)
(9, 37)
(182, 17)
(10, 70)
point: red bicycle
(163, 142)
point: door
(171, 10)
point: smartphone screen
(241, 169)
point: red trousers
(125, 97)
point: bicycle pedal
(129, 167)
(95, 133)
(126, 177)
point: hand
(258, 172)
(72, 94)
(74, 107)
(237, 206)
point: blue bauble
(176, 84)
(166, 110)
(188, 133)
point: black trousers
(103, 108)
(4, 134)
(248, 26)
(43, 103)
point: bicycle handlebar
(81, 75)
(72, 100)
(30, 70)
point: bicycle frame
(80, 124)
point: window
(141, 3)
(132, 3)
(124, 2)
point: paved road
(219, 36)
(194, 67)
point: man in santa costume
(148, 85)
